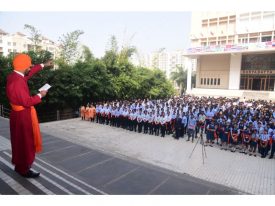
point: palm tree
(180, 77)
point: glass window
(215, 81)
(204, 81)
(207, 81)
(14, 44)
(9, 43)
(201, 80)
(211, 81)
(219, 81)
(266, 38)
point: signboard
(257, 72)
(233, 47)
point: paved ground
(68, 167)
(249, 174)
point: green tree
(69, 42)
(180, 77)
(5, 69)
(87, 55)
(91, 80)
(35, 36)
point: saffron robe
(21, 130)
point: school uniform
(264, 138)
(272, 146)
(191, 128)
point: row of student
(187, 115)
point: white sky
(146, 24)
(148, 31)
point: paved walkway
(69, 164)
(250, 174)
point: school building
(235, 54)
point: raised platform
(248, 94)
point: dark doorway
(256, 84)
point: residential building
(19, 42)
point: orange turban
(21, 62)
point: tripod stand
(203, 151)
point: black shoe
(31, 174)
(270, 157)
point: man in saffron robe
(23, 120)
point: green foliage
(35, 36)
(69, 46)
(180, 77)
(87, 55)
(90, 80)
(5, 69)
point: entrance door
(256, 85)
(263, 84)
(249, 84)
(260, 83)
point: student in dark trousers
(178, 126)
(163, 124)
(272, 146)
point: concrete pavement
(249, 174)
(72, 165)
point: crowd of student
(246, 126)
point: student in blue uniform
(272, 145)
(264, 138)
(184, 121)
(247, 135)
(192, 122)
(210, 135)
(234, 137)
(163, 124)
(177, 126)
(254, 142)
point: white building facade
(18, 42)
(235, 53)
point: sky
(148, 31)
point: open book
(45, 87)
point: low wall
(248, 94)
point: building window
(215, 81)
(204, 81)
(1, 41)
(211, 81)
(219, 81)
(266, 38)
(207, 81)
(253, 40)
(14, 44)
(9, 43)
(201, 80)
(14, 50)
(9, 50)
